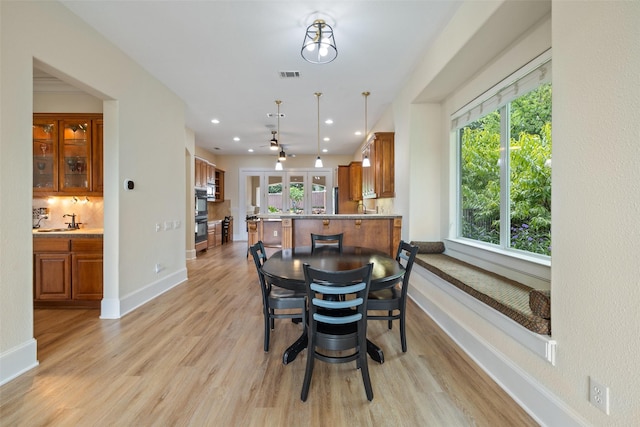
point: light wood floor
(193, 356)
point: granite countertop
(329, 216)
(68, 232)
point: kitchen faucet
(73, 223)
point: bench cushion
(429, 247)
(507, 296)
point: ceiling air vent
(289, 74)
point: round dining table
(285, 269)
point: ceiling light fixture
(278, 165)
(318, 160)
(365, 162)
(319, 45)
(283, 156)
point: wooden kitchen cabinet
(52, 277)
(67, 154)
(214, 234)
(349, 187)
(219, 185)
(378, 180)
(86, 269)
(68, 272)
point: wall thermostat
(128, 184)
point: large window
(504, 144)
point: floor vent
(289, 74)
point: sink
(49, 230)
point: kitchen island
(377, 231)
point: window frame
(530, 266)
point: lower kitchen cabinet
(68, 272)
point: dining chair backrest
(319, 240)
(406, 256)
(337, 317)
(260, 254)
(259, 258)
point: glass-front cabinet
(67, 153)
(45, 155)
(75, 147)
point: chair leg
(364, 370)
(390, 321)
(309, 370)
(403, 332)
(267, 332)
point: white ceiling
(224, 59)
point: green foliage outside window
(529, 119)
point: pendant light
(365, 162)
(319, 45)
(318, 159)
(272, 147)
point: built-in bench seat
(529, 307)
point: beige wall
(595, 295)
(144, 141)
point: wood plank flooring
(193, 356)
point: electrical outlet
(157, 226)
(599, 395)
(168, 225)
(159, 268)
(176, 224)
(275, 233)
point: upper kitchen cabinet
(378, 180)
(67, 154)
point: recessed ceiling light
(215, 121)
(358, 133)
(329, 121)
(236, 139)
(250, 150)
(326, 139)
(324, 150)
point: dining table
(285, 269)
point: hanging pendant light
(318, 159)
(365, 162)
(272, 147)
(283, 156)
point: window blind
(536, 73)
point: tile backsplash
(89, 211)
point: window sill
(530, 270)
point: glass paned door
(320, 193)
(276, 202)
(74, 164)
(297, 187)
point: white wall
(144, 141)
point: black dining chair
(275, 298)
(337, 320)
(321, 240)
(394, 300)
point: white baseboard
(18, 360)
(115, 309)
(540, 403)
